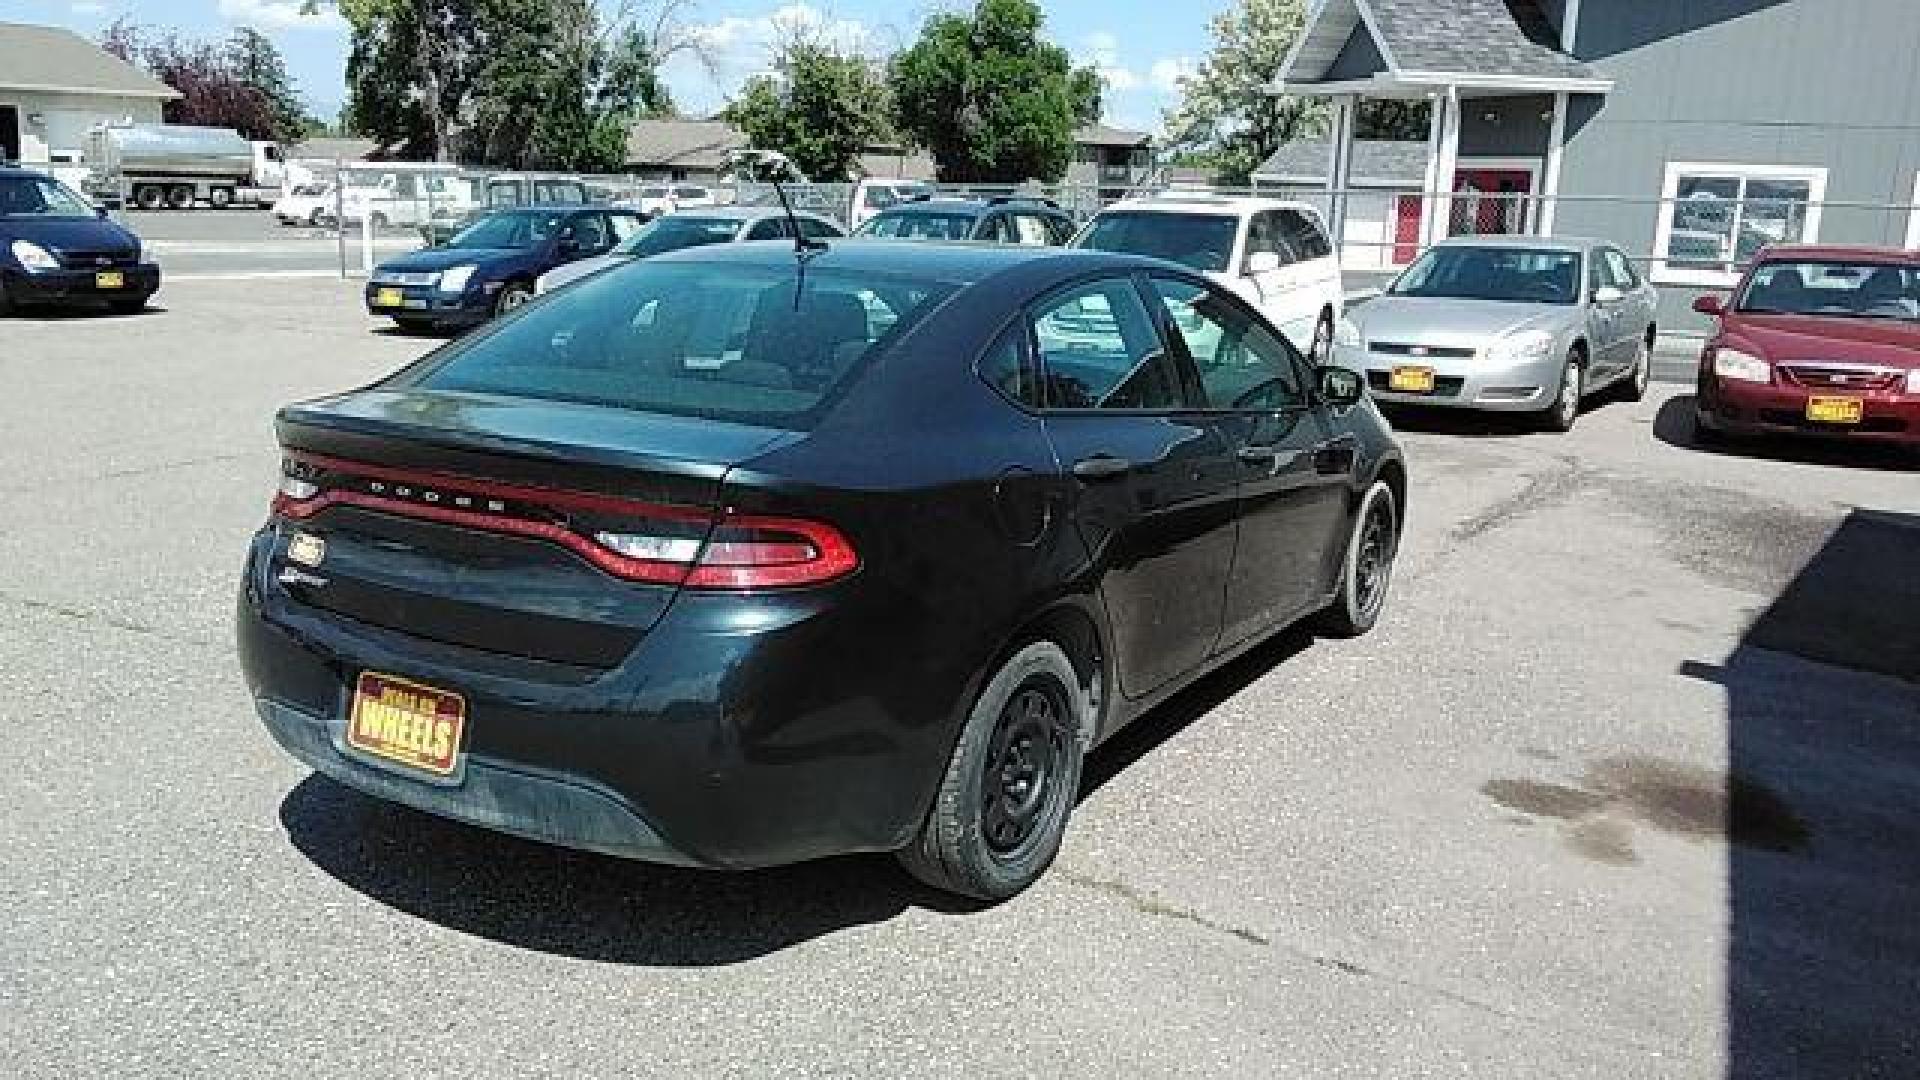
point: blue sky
(1141, 48)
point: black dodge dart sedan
(741, 556)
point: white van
(1273, 253)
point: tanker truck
(178, 165)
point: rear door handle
(1101, 467)
(1258, 455)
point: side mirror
(1263, 262)
(1339, 387)
(1608, 294)
(1709, 304)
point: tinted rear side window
(750, 344)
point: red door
(1407, 211)
(1490, 202)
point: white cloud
(1166, 73)
(1102, 50)
(280, 15)
(89, 7)
(740, 47)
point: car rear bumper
(1740, 407)
(82, 286)
(1461, 383)
(740, 732)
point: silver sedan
(1523, 324)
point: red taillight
(635, 541)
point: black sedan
(490, 266)
(57, 249)
(741, 556)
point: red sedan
(1821, 340)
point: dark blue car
(489, 267)
(56, 248)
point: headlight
(33, 256)
(1746, 367)
(1521, 347)
(455, 280)
(1348, 333)
(1913, 381)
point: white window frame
(1663, 274)
(1913, 216)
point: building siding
(1759, 82)
(65, 119)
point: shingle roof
(686, 144)
(1376, 163)
(1479, 37)
(1102, 135)
(57, 60)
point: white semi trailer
(151, 166)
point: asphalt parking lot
(1626, 784)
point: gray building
(1112, 158)
(1690, 133)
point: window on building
(1715, 217)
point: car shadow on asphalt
(596, 907)
(81, 314)
(1673, 425)
(1820, 811)
(1469, 423)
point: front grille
(98, 260)
(1436, 352)
(406, 277)
(1840, 377)
(1444, 386)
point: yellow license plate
(109, 279)
(389, 298)
(406, 723)
(1411, 380)
(1834, 410)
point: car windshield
(919, 225)
(749, 344)
(40, 196)
(653, 193)
(1202, 242)
(516, 231)
(676, 231)
(1510, 274)
(1838, 289)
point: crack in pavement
(1542, 490)
(1148, 904)
(83, 615)
(143, 470)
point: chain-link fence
(1697, 238)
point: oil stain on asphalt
(1618, 793)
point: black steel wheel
(1367, 573)
(1003, 803)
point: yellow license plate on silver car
(1834, 410)
(1411, 380)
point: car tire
(6, 302)
(512, 297)
(1640, 376)
(149, 196)
(1705, 434)
(1002, 805)
(220, 198)
(1366, 571)
(1565, 410)
(1320, 351)
(180, 197)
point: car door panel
(1154, 482)
(1293, 476)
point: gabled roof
(1389, 163)
(685, 144)
(55, 60)
(1475, 43)
(1102, 135)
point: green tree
(1225, 112)
(257, 62)
(821, 108)
(990, 99)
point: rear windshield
(749, 344)
(1843, 290)
(1202, 242)
(920, 226)
(676, 231)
